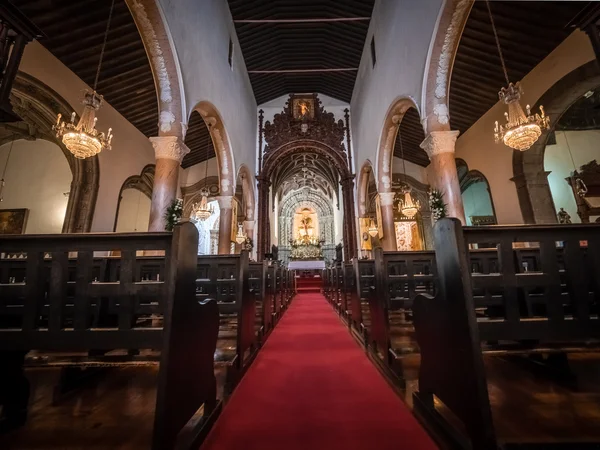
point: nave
(312, 387)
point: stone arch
(385, 151)
(438, 71)
(164, 64)
(223, 152)
(533, 189)
(142, 182)
(37, 104)
(247, 190)
(363, 187)
(468, 177)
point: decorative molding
(159, 67)
(451, 39)
(225, 201)
(438, 142)
(441, 112)
(169, 147)
(387, 198)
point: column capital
(225, 201)
(169, 147)
(387, 198)
(438, 142)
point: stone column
(535, 198)
(386, 201)
(169, 152)
(439, 146)
(262, 235)
(226, 206)
(349, 218)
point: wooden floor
(529, 405)
(114, 411)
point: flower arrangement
(437, 205)
(173, 214)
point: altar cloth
(306, 265)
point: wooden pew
(45, 318)
(453, 338)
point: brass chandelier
(521, 130)
(372, 230)
(407, 206)
(202, 210)
(83, 140)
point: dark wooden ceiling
(74, 33)
(412, 134)
(299, 37)
(528, 32)
(199, 142)
(584, 114)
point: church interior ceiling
(126, 80)
(198, 141)
(302, 170)
(285, 51)
(528, 32)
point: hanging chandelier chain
(112, 6)
(206, 165)
(487, 2)
(8, 157)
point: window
(373, 53)
(230, 55)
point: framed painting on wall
(379, 218)
(13, 221)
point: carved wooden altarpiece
(589, 203)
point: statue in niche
(563, 217)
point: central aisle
(312, 387)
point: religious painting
(408, 236)
(303, 108)
(13, 221)
(379, 217)
(365, 237)
(234, 219)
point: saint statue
(304, 108)
(563, 216)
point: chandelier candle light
(201, 210)
(521, 130)
(407, 206)
(241, 237)
(82, 139)
(373, 231)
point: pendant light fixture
(407, 206)
(576, 181)
(372, 230)
(82, 139)
(521, 130)
(202, 210)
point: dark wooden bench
(44, 318)
(565, 287)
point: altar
(306, 265)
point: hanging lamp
(521, 130)
(3, 179)
(580, 187)
(202, 210)
(407, 206)
(372, 230)
(83, 140)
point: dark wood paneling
(75, 31)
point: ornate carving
(387, 198)
(159, 66)
(438, 142)
(169, 147)
(322, 127)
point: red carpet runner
(312, 387)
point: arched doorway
(305, 151)
(476, 194)
(133, 208)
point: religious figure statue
(304, 108)
(563, 216)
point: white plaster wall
(557, 160)
(477, 146)
(201, 32)
(131, 150)
(39, 187)
(412, 169)
(403, 30)
(134, 212)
